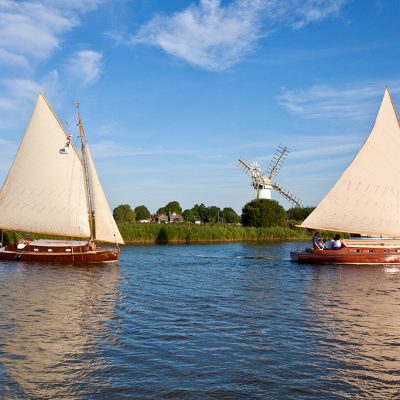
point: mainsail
(44, 191)
(366, 198)
(105, 226)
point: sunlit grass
(190, 233)
(185, 233)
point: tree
(142, 212)
(230, 216)
(173, 207)
(299, 213)
(162, 210)
(214, 214)
(200, 210)
(124, 213)
(263, 213)
(188, 216)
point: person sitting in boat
(328, 244)
(318, 243)
(337, 243)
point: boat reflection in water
(55, 319)
(356, 315)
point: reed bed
(134, 233)
(190, 233)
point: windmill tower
(262, 182)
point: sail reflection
(57, 317)
(357, 309)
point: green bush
(262, 213)
(124, 213)
(299, 213)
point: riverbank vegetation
(191, 233)
(262, 220)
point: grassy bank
(185, 233)
(190, 233)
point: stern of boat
(294, 255)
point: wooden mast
(88, 191)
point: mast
(85, 167)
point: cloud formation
(85, 66)
(322, 101)
(215, 36)
(32, 30)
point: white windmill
(262, 182)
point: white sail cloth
(105, 226)
(366, 198)
(44, 191)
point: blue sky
(172, 93)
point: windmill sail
(44, 191)
(105, 226)
(366, 198)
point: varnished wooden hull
(349, 255)
(81, 254)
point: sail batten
(44, 190)
(106, 229)
(365, 199)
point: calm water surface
(225, 321)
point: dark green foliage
(173, 207)
(201, 211)
(205, 214)
(230, 216)
(214, 214)
(142, 212)
(299, 213)
(162, 210)
(263, 213)
(124, 213)
(188, 216)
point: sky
(172, 93)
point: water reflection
(359, 326)
(53, 319)
(206, 321)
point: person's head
(337, 237)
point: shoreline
(188, 234)
(211, 241)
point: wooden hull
(63, 253)
(349, 255)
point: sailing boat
(51, 189)
(364, 201)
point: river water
(217, 321)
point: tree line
(199, 212)
(257, 213)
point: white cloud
(215, 37)
(18, 96)
(207, 35)
(85, 66)
(314, 11)
(21, 88)
(12, 59)
(32, 30)
(322, 101)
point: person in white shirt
(337, 243)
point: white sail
(105, 226)
(44, 191)
(366, 198)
